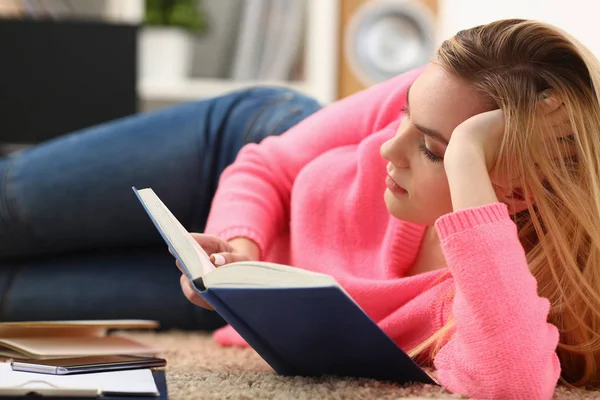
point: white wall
(578, 17)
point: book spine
(245, 331)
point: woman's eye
(432, 157)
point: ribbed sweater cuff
(468, 218)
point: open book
(300, 322)
(59, 339)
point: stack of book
(55, 340)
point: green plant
(185, 14)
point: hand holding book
(300, 322)
(221, 253)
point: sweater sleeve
(254, 193)
(503, 347)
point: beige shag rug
(199, 369)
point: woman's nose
(394, 150)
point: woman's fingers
(191, 294)
(179, 266)
(557, 127)
(177, 261)
(550, 104)
(554, 115)
(211, 244)
(553, 112)
(223, 258)
(220, 252)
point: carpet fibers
(199, 369)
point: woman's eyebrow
(435, 135)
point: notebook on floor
(129, 384)
(63, 339)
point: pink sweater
(313, 198)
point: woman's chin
(402, 210)
(394, 206)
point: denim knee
(282, 94)
(277, 109)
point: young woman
(459, 204)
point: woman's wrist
(469, 181)
(246, 246)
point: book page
(96, 323)
(189, 253)
(264, 274)
(139, 381)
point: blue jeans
(75, 242)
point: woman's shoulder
(376, 106)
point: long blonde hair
(514, 63)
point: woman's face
(437, 102)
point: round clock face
(388, 38)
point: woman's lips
(393, 186)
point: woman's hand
(480, 136)
(476, 139)
(220, 253)
(471, 156)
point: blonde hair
(515, 63)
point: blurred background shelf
(71, 64)
(248, 43)
(77, 63)
(195, 88)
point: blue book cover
(300, 322)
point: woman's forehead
(441, 101)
